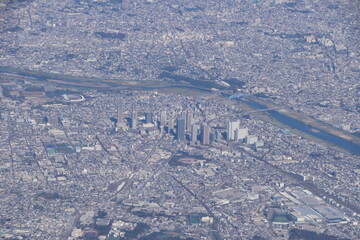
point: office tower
(231, 129)
(183, 115)
(148, 117)
(212, 137)
(188, 121)
(194, 132)
(228, 130)
(205, 134)
(236, 135)
(241, 134)
(134, 118)
(120, 123)
(180, 129)
(162, 118)
(171, 125)
(119, 115)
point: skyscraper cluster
(184, 126)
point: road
(215, 232)
(130, 183)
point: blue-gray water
(296, 124)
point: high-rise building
(194, 132)
(183, 115)
(180, 129)
(212, 136)
(241, 134)
(205, 134)
(120, 123)
(119, 115)
(236, 135)
(170, 124)
(134, 118)
(188, 121)
(162, 118)
(148, 117)
(232, 127)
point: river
(313, 131)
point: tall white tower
(232, 128)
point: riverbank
(308, 127)
(96, 83)
(316, 124)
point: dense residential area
(179, 120)
(100, 164)
(305, 54)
